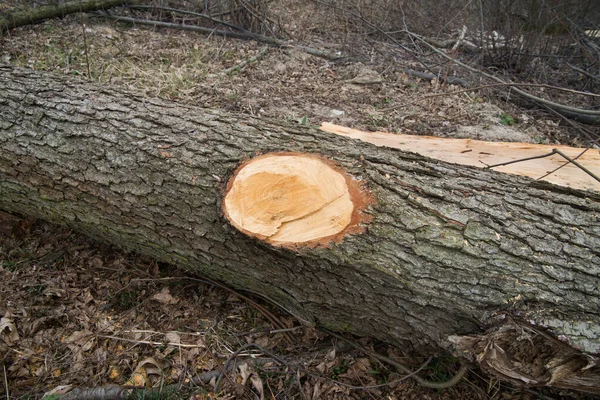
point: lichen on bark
(446, 247)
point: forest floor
(76, 313)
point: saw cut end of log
(295, 200)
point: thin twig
(405, 377)
(294, 367)
(378, 29)
(187, 346)
(581, 71)
(243, 63)
(491, 85)
(495, 78)
(554, 151)
(267, 331)
(452, 80)
(85, 48)
(519, 160)
(246, 35)
(592, 140)
(208, 17)
(585, 133)
(269, 315)
(561, 166)
(422, 382)
(237, 353)
(566, 157)
(6, 382)
(468, 67)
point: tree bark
(449, 250)
(35, 15)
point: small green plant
(36, 289)
(507, 119)
(339, 370)
(441, 369)
(379, 120)
(303, 120)
(125, 300)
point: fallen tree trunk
(435, 255)
(34, 15)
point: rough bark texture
(450, 250)
(35, 15)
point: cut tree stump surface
(293, 199)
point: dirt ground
(79, 314)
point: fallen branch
(428, 235)
(35, 15)
(554, 151)
(424, 75)
(491, 85)
(557, 106)
(584, 72)
(110, 392)
(401, 367)
(245, 35)
(567, 110)
(208, 17)
(461, 37)
(452, 43)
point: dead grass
(284, 84)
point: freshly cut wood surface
(481, 153)
(290, 199)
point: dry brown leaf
(262, 341)
(146, 367)
(331, 355)
(173, 338)
(86, 296)
(321, 367)
(83, 339)
(59, 390)
(258, 385)
(8, 329)
(316, 394)
(164, 296)
(151, 366)
(358, 369)
(55, 292)
(245, 372)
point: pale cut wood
(290, 199)
(481, 153)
